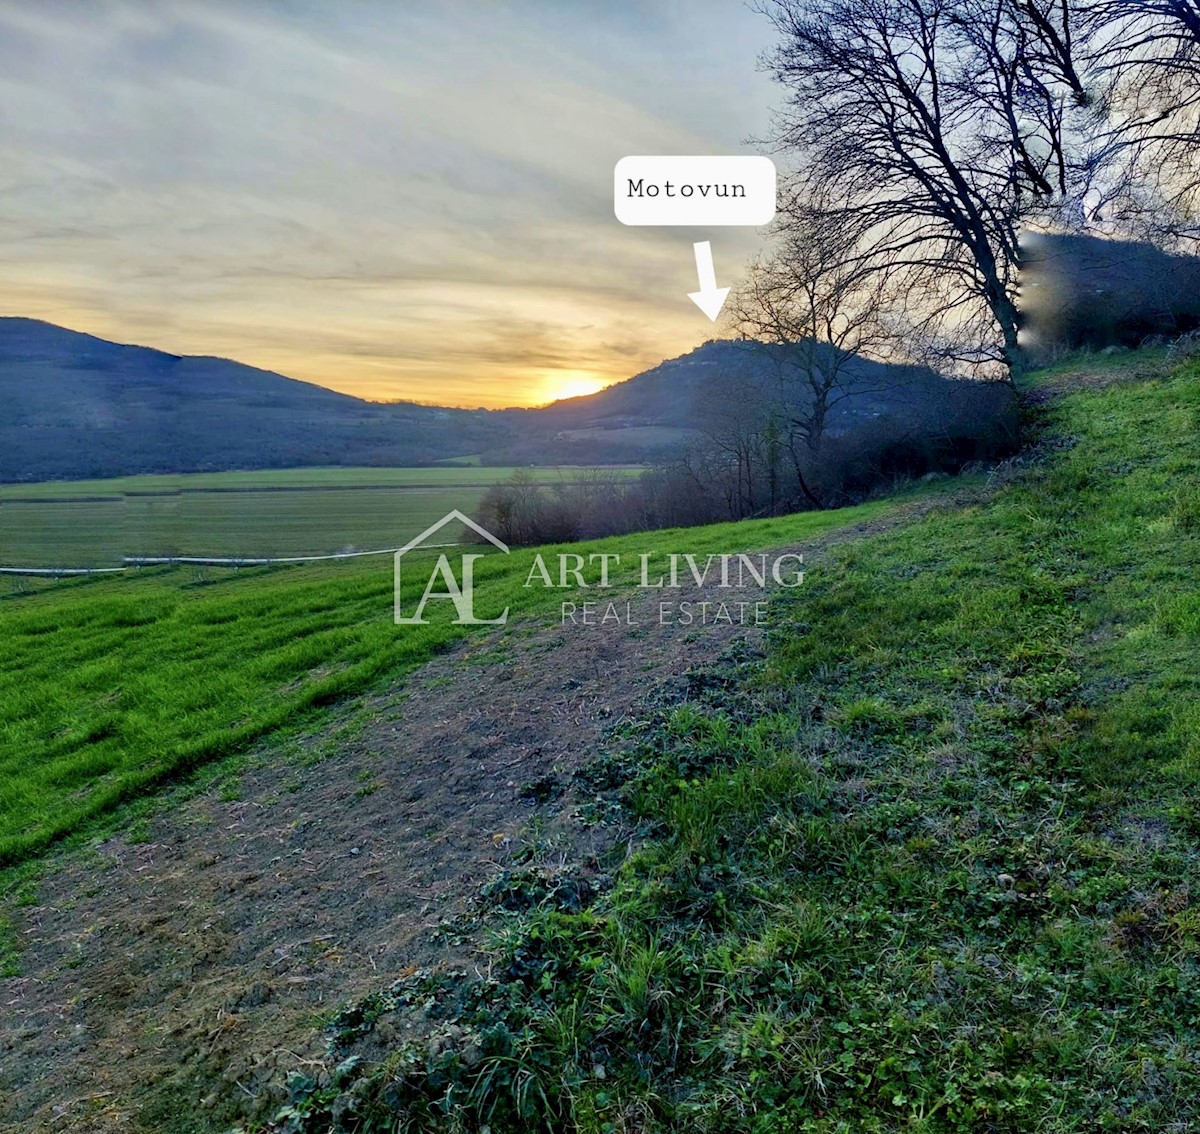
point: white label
(697, 191)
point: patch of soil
(1059, 385)
(170, 984)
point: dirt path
(192, 969)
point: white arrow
(710, 298)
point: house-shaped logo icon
(458, 589)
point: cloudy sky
(396, 198)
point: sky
(394, 198)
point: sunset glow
(575, 386)
(395, 201)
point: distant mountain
(1084, 291)
(678, 393)
(654, 412)
(76, 406)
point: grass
(271, 512)
(443, 475)
(112, 686)
(931, 864)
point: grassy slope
(111, 686)
(932, 867)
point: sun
(573, 384)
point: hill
(1082, 291)
(656, 411)
(80, 407)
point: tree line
(763, 444)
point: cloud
(394, 203)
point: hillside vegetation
(929, 865)
(113, 686)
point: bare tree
(885, 106)
(1148, 52)
(1031, 65)
(734, 422)
(808, 312)
(946, 126)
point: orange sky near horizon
(394, 204)
(464, 378)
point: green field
(111, 685)
(269, 513)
